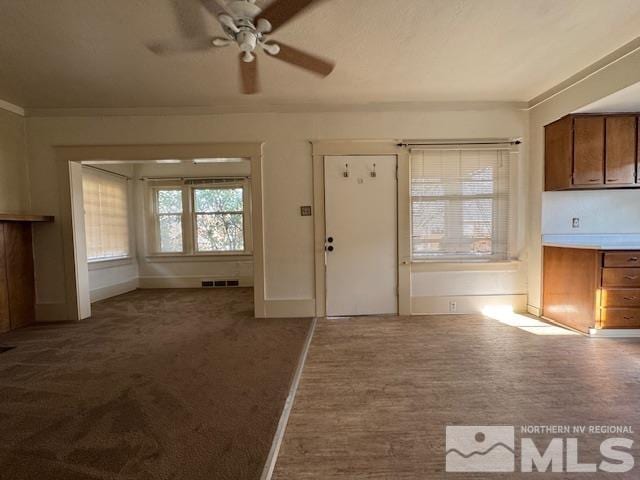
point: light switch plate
(575, 222)
(305, 211)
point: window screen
(106, 215)
(460, 204)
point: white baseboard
(305, 307)
(113, 290)
(537, 311)
(188, 282)
(466, 304)
(51, 312)
(614, 332)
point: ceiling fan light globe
(271, 48)
(228, 22)
(263, 25)
(248, 57)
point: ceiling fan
(246, 25)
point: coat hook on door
(373, 172)
(345, 174)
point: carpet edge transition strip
(270, 464)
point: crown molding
(10, 107)
(371, 107)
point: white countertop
(621, 241)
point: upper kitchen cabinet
(558, 147)
(621, 150)
(588, 151)
(592, 151)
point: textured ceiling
(91, 53)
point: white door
(361, 235)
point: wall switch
(575, 222)
(453, 307)
(305, 211)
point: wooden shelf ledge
(17, 217)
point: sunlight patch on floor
(505, 314)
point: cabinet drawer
(621, 298)
(621, 277)
(620, 317)
(622, 259)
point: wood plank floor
(377, 393)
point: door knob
(330, 248)
(330, 239)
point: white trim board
(109, 291)
(466, 304)
(614, 333)
(270, 464)
(165, 281)
(304, 307)
(11, 107)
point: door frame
(69, 158)
(392, 147)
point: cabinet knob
(631, 277)
(594, 179)
(629, 298)
(632, 259)
(628, 318)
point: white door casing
(360, 216)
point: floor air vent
(220, 283)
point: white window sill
(101, 263)
(198, 257)
(465, 266)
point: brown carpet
(158, 384)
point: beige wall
(287, 167)
(14, 192)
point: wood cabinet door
(558, 154)
(621, 149)
(588, 151)
(5, 321)
(19, 264)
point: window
(208, 216)
(169, 214)
(219, 219)
(460, 204)
(106, 215)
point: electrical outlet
(453, 307)
(575, 222)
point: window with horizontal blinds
(106, 215)
(460, 203)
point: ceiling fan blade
(185, 45)
(301, 59)
(249, 76)
(281, 11)
(190, 18)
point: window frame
(496, 196)
(107, 262)
(189, 226)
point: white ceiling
(91, 53)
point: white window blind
(106, 215)
(460, 203)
